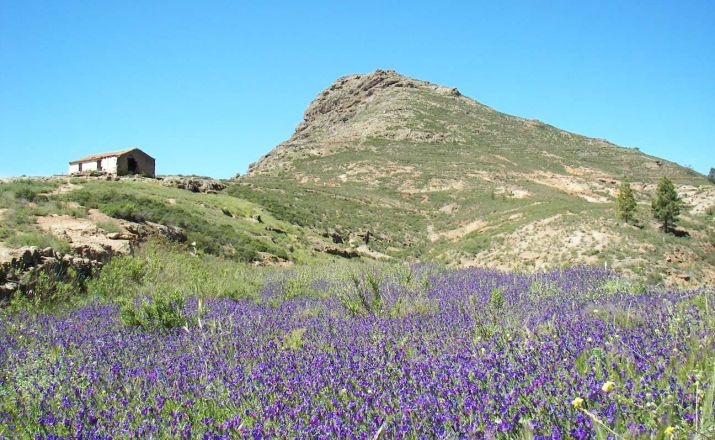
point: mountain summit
(357, 108)
(430, 174)
(358, 111)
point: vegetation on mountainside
(217, 224)
(21, 202)
(436, 176)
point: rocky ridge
(334, 117)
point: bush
(293, 340)
(164, 310)
(363, 296)
(125, 211)
(28, 190)
(26, 193)
(487, 319)
(244, 285)
(108, 226)
(122, 276)
(299, 285)
(46, 291)
(39, 239)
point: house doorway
(132, 165)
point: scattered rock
(194, 184)
(267, 259)
(341, 252)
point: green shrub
(299, 285)
(165, 310)
(618, 285)
(293, 340)
(125, 211)
(487, 317)
(46, 290)
(108, 226)
(26, 193)
(28, 190)
(161, 265)
(39, 239)
(244, 284)
(122, 276)
(362, 295)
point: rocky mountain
(403, 168)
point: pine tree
(711, 176)
(666, 204)
(626, 202)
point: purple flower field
(567, 354)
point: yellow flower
(608, 386)
(669, 430)
(577, 402)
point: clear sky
(209, 86)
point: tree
(626, 202)
(711, 176)
(666, 204)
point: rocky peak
(332, 118)
(342, 99)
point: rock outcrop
(19, 267)
(193, 184)
(90, 247)
(338, 116)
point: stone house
(120, 163)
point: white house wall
(109, 164)
(89, 166)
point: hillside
(51, 224)
(432, 175)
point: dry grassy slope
(94, 217)
(434, 175)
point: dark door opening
(132, 165)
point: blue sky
(208, 87)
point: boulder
(8, 289)
(29, 256)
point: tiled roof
(99, 156)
